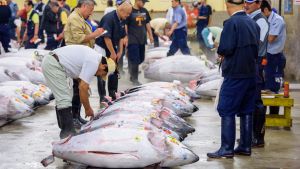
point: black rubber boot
(244, 147)
(259, 119)
(67, 126)
(112, 85)
(227, 139)
(58, 118)
(101, 88)
(77, 120)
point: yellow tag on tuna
(138, 139)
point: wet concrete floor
(24, 143)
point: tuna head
(18, 109)
(179, 154)
(181, 125)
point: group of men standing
(27, 26)
(251, 53)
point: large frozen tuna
(182, 67)
(157, 53)
(16, 92)
(209, 88)
(123, 148)
(161, 119)
(205, 86)
(24, 68)
(40, 93)
(12, 108)
(36, 54)
(4, 74)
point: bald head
(124, 10)
(233, 6)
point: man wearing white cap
(73, 62)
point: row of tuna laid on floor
(22, 86)
(141, 128)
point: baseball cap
(111, 65)
(237, 2)
(118, 2)
(251, 1)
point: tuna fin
(48, 160)
(159, 142)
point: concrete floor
(24, 143)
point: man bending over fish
(73, 62)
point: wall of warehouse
(155, 5)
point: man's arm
(125, 39)
(93, 35)
(275, 29)
(79, 36)
(36, 30)
(84, 98)
(110, 47)
(149, 32)
(174, 26)
(120, 49)
(272, 38)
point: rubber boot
(244, 147)
(227, 139)
(58, 118)
(67, 126)
(259, 119)
(77, 120)
(101, 88)
(113, 85)
(134, 74)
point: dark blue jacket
(115, 29)
(5, 14)
(239, 45)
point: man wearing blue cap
(252, 8)
(238, 50)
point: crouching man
(72, 62)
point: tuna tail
(195, 108)
(48, 160)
